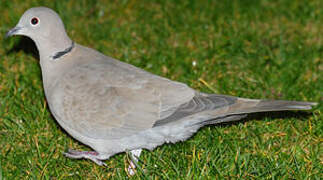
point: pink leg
(92, 155)
(134, 159)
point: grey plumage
(114, 107)
(198, 104)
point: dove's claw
(92, 155)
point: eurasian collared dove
(115, 107)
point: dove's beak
(13, 31)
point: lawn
(248, 48)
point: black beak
(13, 31)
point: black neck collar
(62, 53)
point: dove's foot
(134, 155)
(92, 155)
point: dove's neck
(54, 48)
(53, 53)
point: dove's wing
(110, 100)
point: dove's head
(44, 27)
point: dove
(114, 107)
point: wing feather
(109, 101)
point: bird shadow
(26, 45)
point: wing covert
(106, 101)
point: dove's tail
(241, 107)
(214, 108)
(273, 105)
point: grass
(251, 48)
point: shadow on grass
(26, 45)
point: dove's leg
(134, 155)
(92, 155)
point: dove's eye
(34, 21)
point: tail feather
(215, 108)
(275, 105)
(242, 107)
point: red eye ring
(34, 21)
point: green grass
(248, 48)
